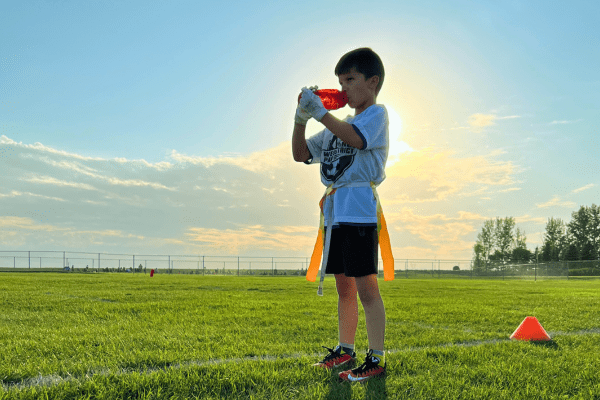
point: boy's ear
(374, 81)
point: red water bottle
(332, 98)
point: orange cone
(530, 329)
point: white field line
(53, 379)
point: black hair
(365, 61)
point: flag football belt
(324, 238)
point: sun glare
(397, 146)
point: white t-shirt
(345, 165)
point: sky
(146, 127)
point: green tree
(484, 245)
(520, 253)
(579, 227)
(500, 241)
(479, 259)
(571, 253)
(504, 238)
(554, 239)
(584, 232)
(595, 230)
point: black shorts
(354, 251)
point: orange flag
(384, 242)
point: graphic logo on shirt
(336, 159)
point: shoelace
(367, 365)
(332, 354)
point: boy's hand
(312, 104)
(302, 116)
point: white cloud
(446, 236)
(48, 180)
(137, 183)
(27, 224)
(478, 122)
(528, 218)
(513, 189)
(40, 148)
(428, 176)
(260, 161)
(16, 193)
(564, 122)
(586, 187)
(510, 117)
(244, 239)
(92, 173)
(556, 202)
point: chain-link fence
(138, 263)
(69, 261)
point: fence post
(272, 266)
(14, 262)
(29, 256)
(133, 269)
(203, 268)
(98, 262)
(238, 266)
(64, 260)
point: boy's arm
(313, 105)
(343, 130)
(299, 146)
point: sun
(396, 146)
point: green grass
(177, 337)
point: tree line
(500, 241)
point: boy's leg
(374, 364)
(347, 308)
(343, 354)
(368, 291)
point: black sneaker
(369, 369)
(336, 358)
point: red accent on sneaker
(369, 369)
(335, 359)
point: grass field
(177, 337)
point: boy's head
(364, 61)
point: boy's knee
(346, 287)
(368, 297)
(368, 294)
(346, 292)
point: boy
(352, 154)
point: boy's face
(361, 92)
